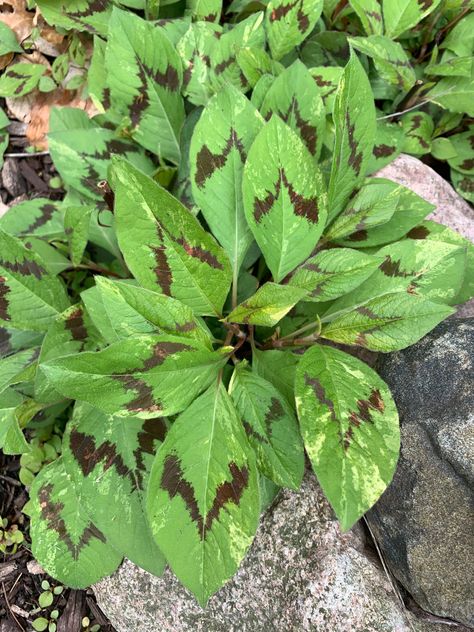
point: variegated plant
(179, 316)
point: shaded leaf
(404, 14)
(369, 13)
(278, 368)
(76, 225)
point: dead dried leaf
(13, 13)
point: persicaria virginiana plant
(179, 317)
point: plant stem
(235, 281)
(94, 268)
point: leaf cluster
(182, 313)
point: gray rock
(424, 521)
(301, 574)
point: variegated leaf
(369, 13)
(71, 332)
(109, 461)
(145, 77)
(30, 296)
(267, 306)
(354, 120)
(402, 15)
(332, 273)
(39, 217)
(388, 322)
(388, 145)
(271, 427)
(147, 375)
(204, 10)
(204, 486)
(278, 368)
(165, 246)
(67, 544)
(289, 22)
(91, 16)
(219, 147)
(285, 199)
(295, 98)
(327, 79)
(350, 429)
(374, 204)
(81, 151)
(418, 128)
(129, 309)
(76, 226)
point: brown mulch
(21, 577)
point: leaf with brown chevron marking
(91, 16)
(355, 125)
(38, 217)
(71, 332)
(30, 296)
(219, 147)
(204, 486)
(350, 429)
(271, 427)
(164, 246)
(289, 22)
(296, 98)
(144, 375)
(109, 461)
(66, 542)
(145, 77)
(285, 198)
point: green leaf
(219, 147)
(12, 340)
(284, 197)
(267, 306)
(165, 246)
(463, 146)
(147, 376)
(332, 273)
(278, 368)
(97, 86)
(39, 217)
(40, 624)
(369, 13)
(389, 322)
(204, 486)
(289, 22)
(418, 128)
(80, 15)
(109, 461)
(460, 39)
(388, 145)
(390, 59)
(451, 67)
(409, 211)
(129, 309)
(432, 231)
(295, 98)
(71, 332)
(30, 297)
(15, 368)
(454, 93)
(20, 79)
(354, 120)
(327, 79)
(464, 184)
(443, 149)
(66, 543)
(76, 225)
(373, 204)
(271, 427)
(196, 48)
(12, 440)
(205, 10)
(145, 77)
(8, 41)
(255, 63)
(81, 151)
(248, 33)
(402, 15)
(350, 429)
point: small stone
(424, 521)
(12, 179)
(34, 568)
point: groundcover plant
(178, 318)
